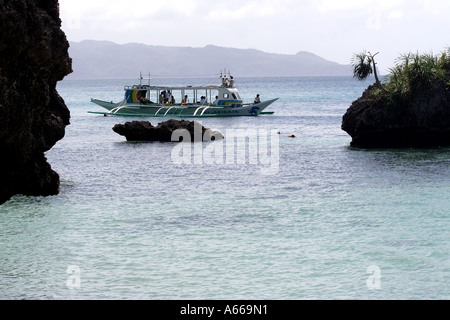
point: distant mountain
(108, 60)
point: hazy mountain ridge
(108, 60)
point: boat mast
(142, 78)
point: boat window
(226, 95)
(234, 96)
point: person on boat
(169, 97)
(217, 99)
(202, 100)
(257, 99)
(184, 102)
(165, 96)
(231, 85)
(143, 101)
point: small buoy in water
(292, 136)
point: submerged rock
(33, 117)
(166, 131)
(422, 121)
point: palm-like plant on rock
(364, 65)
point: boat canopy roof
(147, 87)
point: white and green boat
(200, 101)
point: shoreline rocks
(33, 58)
(166, 131)
(423, 121)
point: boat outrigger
(195, 101)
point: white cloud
(117, 12)
(358, 5)
(395, 14)
(242, 10)
(342, 5)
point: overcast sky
(331, 29)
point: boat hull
(194, 111)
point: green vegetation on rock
(411, 74)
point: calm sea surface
(328, 222)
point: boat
(221, 100)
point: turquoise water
(130, 223)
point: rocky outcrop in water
(33, 117)
(164, 132)
(422, 121)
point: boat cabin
(172, 96)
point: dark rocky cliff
(422, 121)
(33, 117)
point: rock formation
(421, 121)
(164, 132)
(33, 117)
